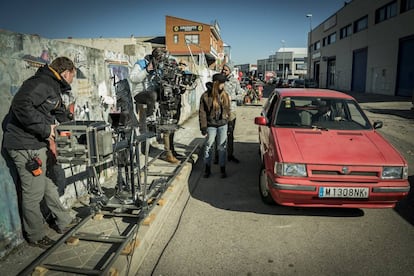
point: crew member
(28, 133)
(232, 87)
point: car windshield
(321, 113)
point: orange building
(194, 41)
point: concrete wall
(20, 56)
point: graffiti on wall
(20, 57)
(33, 61)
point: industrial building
(286, 63)
(367, 46)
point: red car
(318, 149)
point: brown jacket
(206, 118)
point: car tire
(263, 188)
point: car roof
(312, 92)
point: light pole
(283, 59)
(309, 15)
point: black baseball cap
(219, 77)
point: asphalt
(189, 135)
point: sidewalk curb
(153, 224)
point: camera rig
(98, 145)
(171, 82)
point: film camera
(171, 83)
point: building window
(300, 66)
(299, 59)
(345, 31)
(175, 38)
(317, 45)
(324, 41)
(329, 39)
(407, 5)
(386, 12)
(361, 24)
(193, 38)
(332, 38)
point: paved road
(221, 227)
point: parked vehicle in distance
(287, 83)
(310, 83)
(304, 83)
(298, 83)
(318, 149)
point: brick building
(195, 42)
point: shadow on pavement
(377, 98)
(406, 114)
(239, 191)
(405, 208)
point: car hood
(335, 147)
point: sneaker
(74, 222)
(44, 243)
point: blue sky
(254, 29)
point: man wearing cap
(232, 87)
(214, 114)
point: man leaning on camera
(28, 134)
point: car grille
(351, 174)
(355, 173)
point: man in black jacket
(30, 129)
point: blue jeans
(221, 133)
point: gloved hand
(204, 132)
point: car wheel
(263, 188)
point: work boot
(68, 227)
(223, 172)
(171, 158)
(43, 243)
(207, 171)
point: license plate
(343, 192)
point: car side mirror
(261, 121)
(377, 124)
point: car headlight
(394, 172)
(290, 169)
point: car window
(323, 113)
(356, 114)
(269, 106)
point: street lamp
(309, 15)
(283, 58)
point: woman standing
(214, 114)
